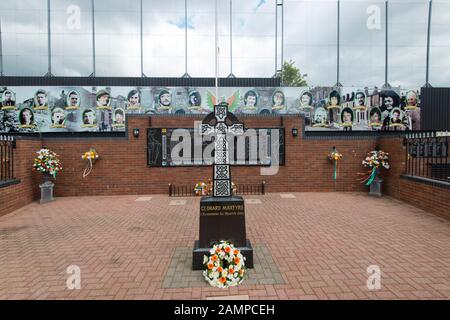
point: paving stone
(241, 297)
(144, 199)
(177, 203)
(287, 196)
(253, 201)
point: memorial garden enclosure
(123, 166)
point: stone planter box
(46, 189)
(375, 187)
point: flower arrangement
(205, 189)
(201, 189)
(374, 160)
(47, 162)
(225, 265)
(90, 156)
(233, 188)
(335, 157)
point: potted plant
(49, 164)
(375, 160)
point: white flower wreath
(225, 266)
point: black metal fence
(242, 189)
(427, 155)
(7, 146)
(251, 189)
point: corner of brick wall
(18, 195)
(430, 198)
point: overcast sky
(309, 39)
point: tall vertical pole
(231, 75)
(1, 49)
(338, 43)
(185, 37)
(93, 38)
(427, 79)
(282, 39)
(186, 74)
(216, 48)
(276, 37)
(142, 39)
(386, 49)
(49, 42)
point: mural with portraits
(103, 109)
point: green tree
(291, 76)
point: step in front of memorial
(221, 219)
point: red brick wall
(122, 168)
(18, 195)
(431, 198)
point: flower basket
(48, 163)
(375, 160)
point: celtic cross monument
(222, 215)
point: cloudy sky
(309, 39)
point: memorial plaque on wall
(164, 144)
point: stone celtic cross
(221, 122)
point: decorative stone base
(198, 253)
(46, 191)
(375, 187)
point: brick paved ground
(322, 244)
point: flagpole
(216, 51)
(1, 49)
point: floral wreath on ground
(225, 265)
(47, 162)
(374, 160)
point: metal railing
(7, 146)
(427, 155)
(251, 189)
(242, 189)
(181, 191)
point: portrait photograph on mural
(8, 101)
(73, 100)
